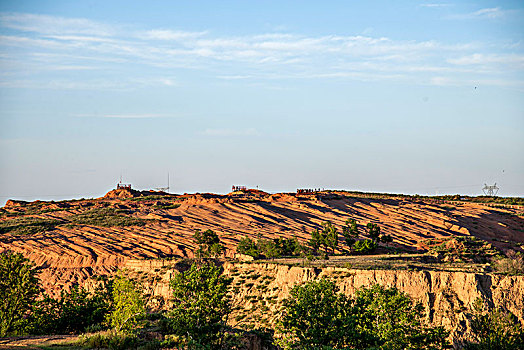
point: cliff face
(446, 296)
(258, 290)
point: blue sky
(405, 96)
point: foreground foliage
(19, 288)
(314, 316)
(128, 305)
(76, 311)
(317, 316)
(389, 319)
(200, 305)
(495, 330)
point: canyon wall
(259, 288)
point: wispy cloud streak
(55, 43)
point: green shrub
(117, 303)
(494, 330)
(389, 319)
(18, 291)
(270, 248)
(118, 341)
(167, 206)
(74, 312)
(316, 315)
(209, 244)
(128, 305)
(200, 305)
(364, 246)
(512, 264)
(105, 217)
(27, 225)
(249, 247)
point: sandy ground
(33, 342)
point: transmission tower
(164, 189)
(490, 190)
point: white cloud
(56, 43)
(476, 83)
(122, 116)
(485, 13)
(53, 25)
(494, 12)
(510, 60)
(435, 5)
(164, 34)
(234, 77)
(441, 81)
(230, 132)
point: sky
(409, 97)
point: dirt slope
(70, 252)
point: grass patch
(166, 206)
(27, 225)
(106, 217)
(149, 198)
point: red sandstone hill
(70, 249)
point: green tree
(200, 305)
(247, 246)
(350, 232)
(128, 305)
(73, 312)
(386, 239)
(209, 245)
(389, 319)
(316, 241)
(316, 315)
(330, 234)
(327, 238)
(364, 246)
(495, 330)
(19, 287)
(373, 232)
(268, 248)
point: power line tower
(490, 190)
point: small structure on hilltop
(247, 191)
(306, 191)
(121, 186)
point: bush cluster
(316, 316)
(270, 248)
(327, 238)
(27, 225)
(25, 309)
(106, 217)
